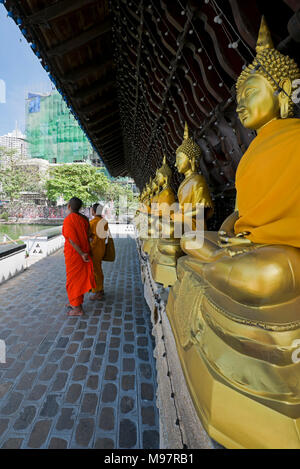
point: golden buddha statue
(193, 191)
(166, 250)
(235, 309)
(148, 243)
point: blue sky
(22, 72)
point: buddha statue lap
(193, 197)
(238, 329)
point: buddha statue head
(164, 174)
(264, 88)
(187, 154)
(154, 186)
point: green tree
(77, 180)
(16, 177)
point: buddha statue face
(257, 103)
(160, 179)
(183, 163)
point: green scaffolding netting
(52, 132)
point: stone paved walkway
(77, 382)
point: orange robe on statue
(98, 250)
(268, 188)
(80, 274)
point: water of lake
(14, 231)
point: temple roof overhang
(134, 71)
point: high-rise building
(16, 141)
(52, 132)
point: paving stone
(111, 373)
(72, 349)
(78, 336)
(141, 330)
(60, 381)
(114, 342)
(127, 434)
(128, 364)
(26, 381)
(96, 364)
(66, 420)
(12, 404)
(25, 418)
(4, 388)
(142, 341)
(100, 349)
(128, 326)
(84, 356)
(45, 347)
(74, 393)
(145, 370)
(105, 326)
(50, 407)
(116, 331)
(128, 382)
(56, 355)
(109, 393)
(143, 354)
(107, 419)
(147, 391)
(37, 362)
(92, 330)
(87, 343)
(113, 356)
(37, 392)
(150, 439)
(102, 337)
(127, 404)
(128, 317)
(67, 363)
(129, 336)
(148, 416)
(89, 403)
(39, 433)
(84, 432)
(48, 372)
(12, 443)
(80, 372)
(128, 348)
(58, 443)
(15, 371)
(104, 443)
(3, 425)
(93, 382)
(62, 342)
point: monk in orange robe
(79, 266)
(98, 234)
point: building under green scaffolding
(52, 132)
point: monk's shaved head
(75, 204)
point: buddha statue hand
(235, 244)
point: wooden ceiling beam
(110, 124)
(91, 68)
(81, 39)
(104, 117)
(97, 88)
(97, 106)
(55, 11)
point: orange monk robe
(98, 249)
(80, 274)
(268, 187)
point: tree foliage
(77, 180)
(16, 177)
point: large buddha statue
(193, 197)
(235, 309)
(166, 249)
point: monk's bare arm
(84, 255)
